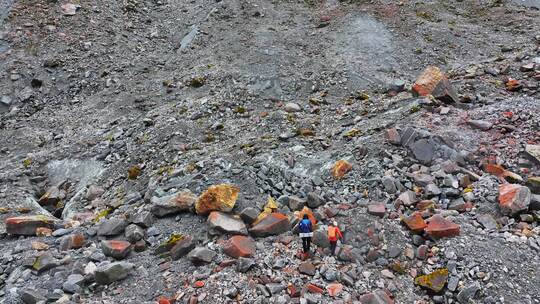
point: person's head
(334, 223)
(305, 217)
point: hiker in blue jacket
(306, 232)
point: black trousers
(306, 243)
(333, 245)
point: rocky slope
(164, 151)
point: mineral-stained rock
(376, 297)
(72, 241)
(182, 248)
(415, 222)
(514, 198)
(273, 224)
(433, 82)
(169, 243)
(434, 281)
(377, 209)
(439, 227)
(116, 249)
(239, 246)
(307, 268)
(112, 226)
(27, 225)
(52, 197)
(340, 168)
(334, 289)
(201, 255)
(393, 136)
(173, 204)
(217, 198)
(223, 222)
(44, 262)
(111, 272)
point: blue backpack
(305, 226)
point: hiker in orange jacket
(334, 234)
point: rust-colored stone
(28, 225)
(514, 198)
(434, 281)
(239, 246)
(314, 288)
(440, 227)
(217, 198)
(334, 289)
(415, 222)
(273, 224)
(341, 167)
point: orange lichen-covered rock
(514, 198)
(217, 198)
(341, 167)
(434, 281)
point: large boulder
(217, 198)
(111, 272)
(201, 255)
(27, 225)
(223, 222)
(514, 198)
(272, 224)
(173, 204)
(239, 246)
(111, 227)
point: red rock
(116, 249)
(164, 301)
(307, 268)
(415, 222)
(377, 209)
(376, 297)
(514, 198)
(293, 291)
(440, 227)
(314, 288)
(513, 85)
(198, 284)
(393, 136)
(425, 204)
(273, 224)
(239, 246)
(422, 252)
(334, 289)
(27, 225)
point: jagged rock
(44, 262)
(415, 222)
(423, 150)
(111, 272)
(377, 209)
(226, 223)
(439, 227)
(217, 198)
(73, 241)
(314, 200)
(487, 221)
(244, 264)
(116, 249)
(432, 190)
(389, 184)
(273, 224)
(307, 268)
(468, 293)
(392, 136)
(514, 198)
(408, 198)
(295, 203)
(533, 151)
(201, 255)
(422, 179)
(134, 233)
(111, 227)
(31, 296)
(145, 219)
(73, 283)
(376, 297)
(480, 124)
(52, 198)
(239, 246)
(249, 215)
(334, 289)
(275, 288)
(27, 225)
(433, 82)
(340, 168)
(173, 204)
(434, 281)
(182, 248)
(320, 238)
